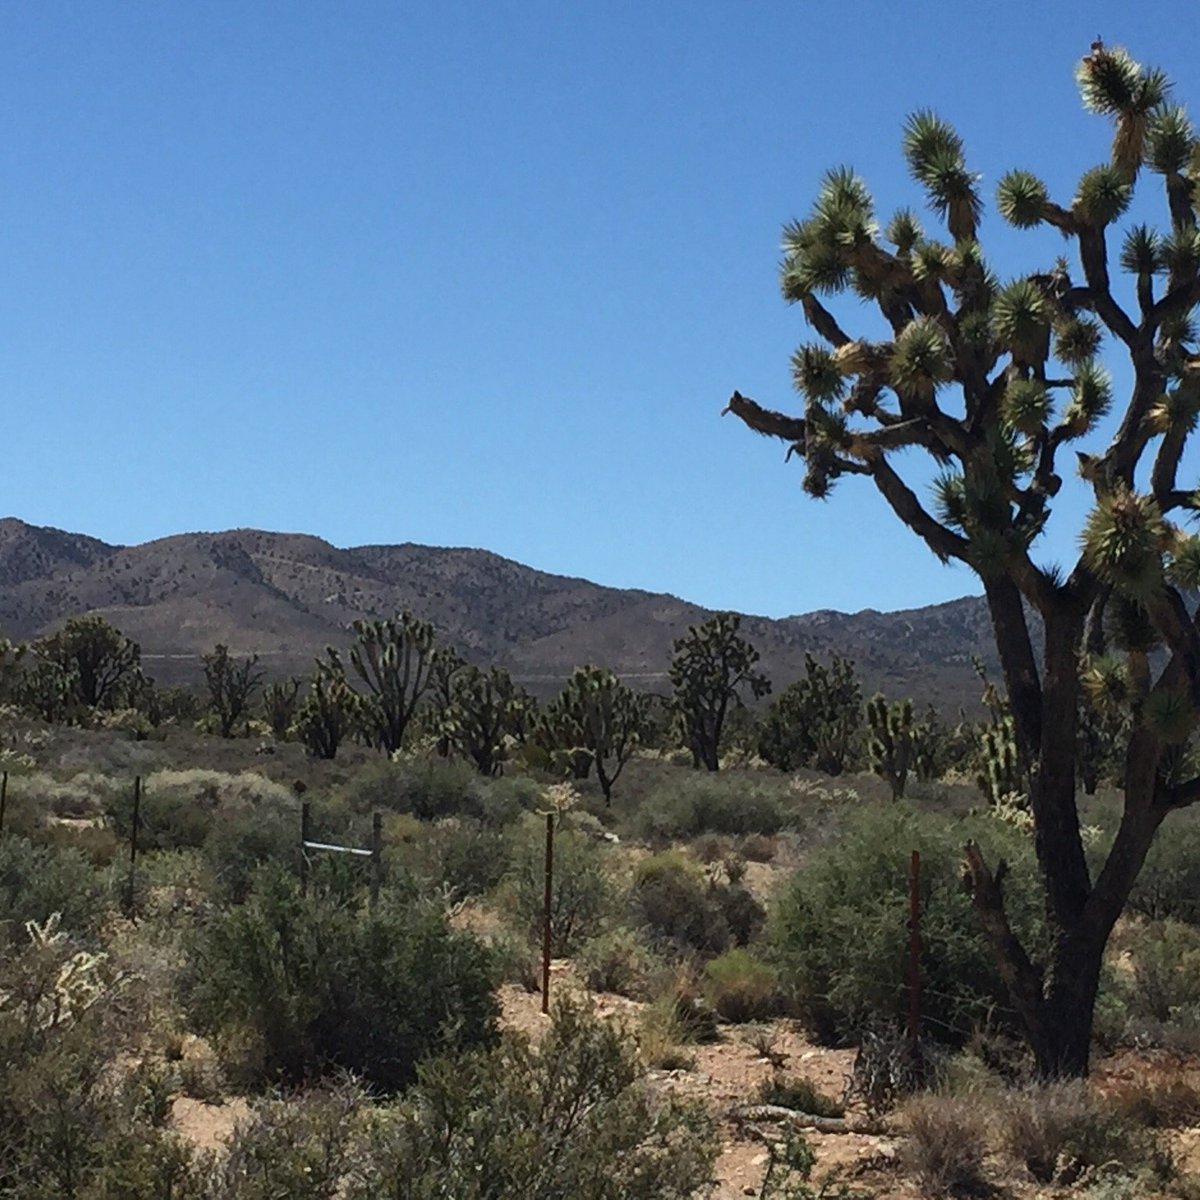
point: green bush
(687, 805)
(433, 788)
(584, 893)
(179, 809)
(741, 987)
(570, 1116)
(839, 929)
(1168, 885)
(618, 961)
(1165, 976)
(294, 988)
(685, 910)
(301, 1147)
(461, 855)
(73, 1126)
(799, 1093)
(36, 881)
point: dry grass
(946, 1146)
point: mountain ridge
(285, 596)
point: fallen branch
(802, 1120)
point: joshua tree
(98, 660)
(607, 720)
(892, 742)
(995, 380)
(711, 666)
(393, 659)
(279, 704)
(815, 721)
(329, 712)
(231, 684)
(486, 716)
(444, 669)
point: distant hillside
(287, 596)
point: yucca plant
(992, 380)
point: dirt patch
(207, 1126)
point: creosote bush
(584, 894)
(37, 881)
(293, 988)
(737, 803)
(569, 1116)
(838, 931)
(683, 910)
(741, 987)
(618, 961)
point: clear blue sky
(484, 273)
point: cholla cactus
(1000, 772)
(75, 982)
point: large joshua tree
(995, 381)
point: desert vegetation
(284, 938)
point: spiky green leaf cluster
(1181, 252)
(1091, 397)
(1103, 195)
(1170, 140)
(819, 253)
(1077, 341)
(1183, 567)
(904, 231)
(1170, 715)
(1141, 251)
(1124, 540)
(816, 373)
(1105, 680)
(1021, 318)
(1021, 198)
(1177, 408)
(935, 157)
(921, 360)
(1110, 81)
(1026, 406)
(931, 260)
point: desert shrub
(1060, 1130)
(741, 987)
(1165, 978)
(684, 1007)
(517, 960)
(179, 808)
(757, 847)
(569, 1116)
(295, 987)
(1168, 886)
(1162, 1095)
(461, 855)
(247, 836)
(431, 788)
(799, 1093)
(686, 805)
(790, 1162)
(301, 1147)
(36, 881)
(685, 910)
(584, 893)
(839, 929)
(71, 1121)
(946, 1145)
(618, 961)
